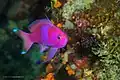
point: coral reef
(92, 52)
(108, 35)
(102, 23)
(109, 54)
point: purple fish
(46, 35)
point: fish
(45, 34)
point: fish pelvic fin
(51, 54)
(43, 48)
(27, 42)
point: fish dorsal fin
(38, 23)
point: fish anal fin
(51, 53)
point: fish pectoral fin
(51, 53)
(43, 48)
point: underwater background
(93, 49)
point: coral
(112, 73)
(60, 25)
(97, 14)
(69, 70)
(108, 51)
(49, 68)
(68, 25)
(73, 5)
(92, 52)
(88, 41)
(82, 23)
(104, 26)
(81, 63)
(57, 4)
(50, 76)
(84, 43)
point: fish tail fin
(27, 42)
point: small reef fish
(44, 33)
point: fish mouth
(63, 45)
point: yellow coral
(70, 71)
(87, 72)
(57, 4)
(50, 76)
(59, 25)
(68, 67)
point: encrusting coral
(73, 5)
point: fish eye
(59, 37)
